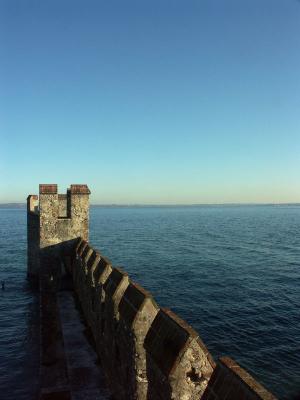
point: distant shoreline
(23, 205)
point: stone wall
(148, 352)
(63, 206)
(54, 221)
(230, 381)
(33, 234)
(63, 218)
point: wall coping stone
(133, 301)
(246, 378)
(79, 189)
(113, 282)
(166, 339)
(48, 188)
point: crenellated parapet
(178, 361)
(54, 221)
(148, 352)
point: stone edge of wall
(205, 380)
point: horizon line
(172, 204)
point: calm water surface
(233, 272)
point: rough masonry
(54, 221)
(146, 352)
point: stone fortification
(146, 352)
(54, 221)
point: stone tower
(54, 222)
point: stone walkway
(86, 379)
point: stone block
(137, 310)
(178, 364)
(230, 381)
(114, 289)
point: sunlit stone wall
(148, 352)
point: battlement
(54, 220)
(48, 189)
(32, 203)
(146, 352)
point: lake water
(232, 272)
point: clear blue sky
(151, 101)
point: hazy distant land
(23, 205)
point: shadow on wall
(55, 264)
(148, 352)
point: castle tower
(54, 222)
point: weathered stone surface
(99, 275)
(85, 375)
(48, 188)
(146, 353)
(81, 247)
(79, 189)
(137, 310)
(62, 206)
(48, 207)
(178, 364)
(33, 236)
(114, 288)
(55, 222)
(230, 381)
(53, 367)
(94, 293)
